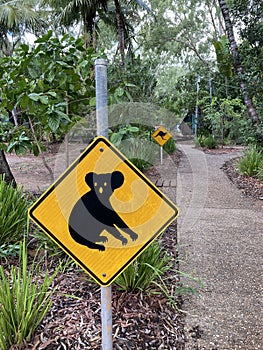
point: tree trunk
(256, 123)
(88, 23)
(5, 169)
(120, 25)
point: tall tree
(16, 17)
(255, 120)
(115, 14)
(69, 12)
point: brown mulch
(140, 320)
(250, 186)
(222, 150)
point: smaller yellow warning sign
(161, 135)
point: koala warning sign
(103, 211)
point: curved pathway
(220, 241)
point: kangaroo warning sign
(103, 211)
(161, 135)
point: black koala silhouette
(93, 212)
(162, 134)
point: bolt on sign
(103, 211)
(161, 135)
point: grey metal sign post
(102, 130)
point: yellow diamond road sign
(161, 135)
(103, 211)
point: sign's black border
(66, 173)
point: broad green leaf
(52, 93)
(43, 99)
(92, 102)
(53, 122)
(63, 115)
(32, 72)
(24, 102)
(44, 38)
(64, 64)
(119, 92)
(116, 138)
(133, 129)
(33, 96)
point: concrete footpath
(220, 241)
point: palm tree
(120, 17)
(256, 123)
(16, 16)
(69, 12)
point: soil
(30, 172)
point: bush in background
(251, 163)
(169, 146)
(206, 141)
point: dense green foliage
(49, 85)
(153, 53)
(135, 142)
(169, 146)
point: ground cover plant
(25, 298)
(251, 163)
(13, 213)
(260, 171)
(207, 141)
(147, 271)
(170, 146)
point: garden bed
(140, 320)
(249, 185)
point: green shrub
(141, 164)
(210, 142)
(169, 146)
(250, 163)
(25, 298)
(206, 141)
(13, 213)
(199, 141)
(142, 273)
(148, 274)
(140, 152)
